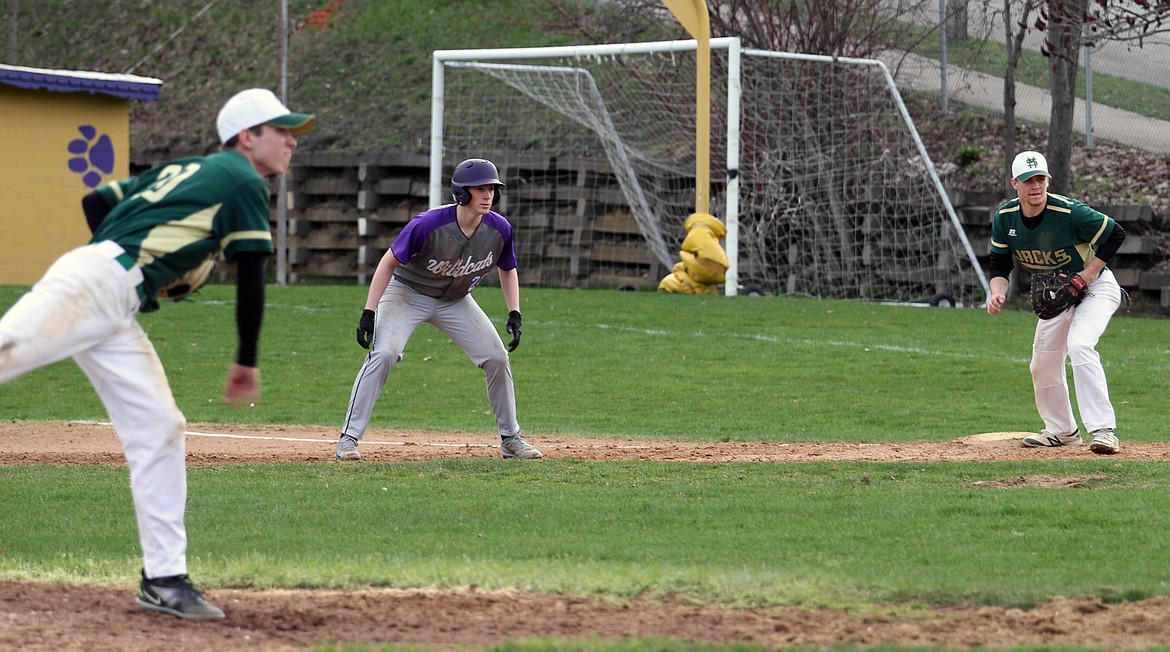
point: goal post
(827, 188)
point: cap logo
(1032, 162)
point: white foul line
(364, 442)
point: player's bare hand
(995, 303)
(242, 388)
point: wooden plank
(394, 186)
(1126, 277)
(329, 186)
(616, 278)
(329, 214)
(368, 227)
(1137, 245)
(617, 222)
(612, 252)
(975, 215)
(298, 227)
(1153, 280)
(1129, 213)
(965, 198)
(299, 255)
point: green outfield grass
(639, 364)
(644, 365)
(841, 535)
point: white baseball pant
(1073, 335)
(84, 307)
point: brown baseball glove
(1052, 294)
(188, 283)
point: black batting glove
(513, 329)
(365, 329)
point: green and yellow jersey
(172, 218)
(1062, 238)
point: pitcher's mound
(996, 439)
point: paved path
(1150, 64)
(1032, 104)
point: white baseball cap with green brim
(1029, 164)
(257, 106)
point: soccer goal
(817, 170)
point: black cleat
(175, 596)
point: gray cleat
(347, 450)
(516, 447)
(1105, 442)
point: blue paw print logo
(93, 157)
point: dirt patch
(96, 443)
(35, 616)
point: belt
(125, 261)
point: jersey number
(169, 179)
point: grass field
(641, 365)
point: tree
(1069, 25)
(841, 28)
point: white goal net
(817, 170)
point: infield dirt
(36, 616)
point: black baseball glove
(1052, 294)
(513, 329)
(365, 329)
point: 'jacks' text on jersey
(1044, 243)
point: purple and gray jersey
(438, 260)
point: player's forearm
(510, 285)
(1092, 269)
(998, 285)
(382, 276)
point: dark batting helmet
(470, 173)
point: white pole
(282, 197)
(1088, 95)
(734, 91)
(436, 181)
(942, 73)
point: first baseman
(147, 232)
(427, 275)
(1049, 233)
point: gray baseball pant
(400, 311)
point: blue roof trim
(68, 81)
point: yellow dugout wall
(55, 147)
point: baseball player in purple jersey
(427, 275)
(1048, 233)
(149, 231)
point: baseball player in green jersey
(1048, 233)
(147, 232)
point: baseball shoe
(347, 450)
(1045, 438)
(516, 447)
(1105, 442)
(175, 596)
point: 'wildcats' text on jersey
(455, 263)
(460, 267)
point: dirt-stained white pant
(400, 310)
(1073, 335)
(85, 307)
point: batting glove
(365, 329)
(513, 329)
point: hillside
(364, 67)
